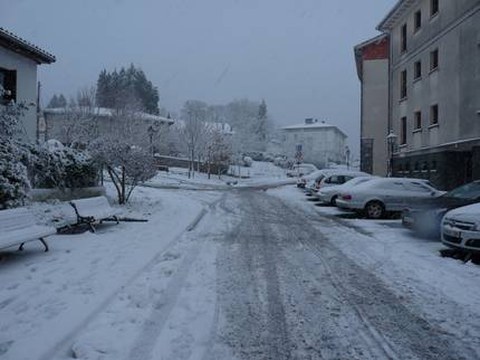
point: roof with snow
(25, 48)
(313, 124)
(223, 128)
(106, 112)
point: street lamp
(347, 156)
(391, 141)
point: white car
(339, 177)
(301, 170)
(316, 175)
(330, 194)
(378, 196)
(461, 228)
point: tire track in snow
(389, 325)
(151, 330)
(63, 345)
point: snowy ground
(259, 174)
(239, 274)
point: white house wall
(26, 86)
(319, 145)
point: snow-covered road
(260, 275)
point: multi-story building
(435, 89)
(315, 142)
(18, 76)
(372, 60)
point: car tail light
(347, 197)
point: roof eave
(23, 47)
(394, 14)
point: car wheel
(333, 200)
(374, 210)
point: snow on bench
(19, 226)
(62, 215)
(93, 211)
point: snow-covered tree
(57, 101)
(193, 132)
(217, 148)
(129, 86)
(126, 164)
(261, 132)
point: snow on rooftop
(311, 123)
(106, 112)
(12, 41)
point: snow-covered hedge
(62, 167)
(14, 182)
(24, 166)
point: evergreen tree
(57, 101)
(62, 102)
(262, 121)
(127, 88)
(53, 102)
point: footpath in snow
(46, 298)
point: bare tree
(194, 114)
(217, 148)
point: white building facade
(435, 89)
(318, 143)
(18, 76)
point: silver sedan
(379, 196)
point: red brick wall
(376, 51)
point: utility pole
(39, 85)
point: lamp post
(347, 156)
(391, 141)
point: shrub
(14, 182)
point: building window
(8, 80)
(403, 130)
(434, 114)
(417, 70)
(403, 84)
(403, 38)
(417, 20)
(434, 7)
(418, 120)
(434, 60)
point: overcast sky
(296, 54)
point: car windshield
(467, 192)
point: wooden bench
(93, 211)
(19, 226)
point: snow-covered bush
(62, 167)
(247, 161)
(14, 182)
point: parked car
(377, 197)
(339, 177)
(425, 218)
(299, 170)
(304, 179)
(460, 228)
(330, 194)
(311, 182)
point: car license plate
(452, 232)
